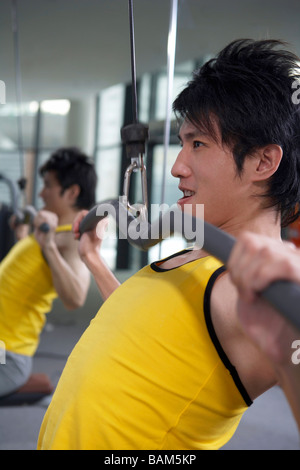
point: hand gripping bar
(27, 215)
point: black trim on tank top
(156, 264)
(215, 340)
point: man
(165, 363)
(44, 265)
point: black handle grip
(98, 212)
(90, 221)
(44, 227)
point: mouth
(187, 194)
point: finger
(102, 228)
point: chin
(196, 210)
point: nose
(180, 167)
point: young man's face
(51, 193)
(208, 175)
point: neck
(265, 222)
(67, 217)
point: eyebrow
(192, 135)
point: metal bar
(18, 80)
(133, 64)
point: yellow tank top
(146, 373)
(26, 295)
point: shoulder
(252, 366)
(224, 296)
(223, 308)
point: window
(108, 158)
(17, 124)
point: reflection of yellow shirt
(26, 295)
(148, 373)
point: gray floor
(267, 425)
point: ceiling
(74, 48)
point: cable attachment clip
(134, 136)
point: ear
(73, 192)
(267, 161)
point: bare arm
(289, 379)
(255, 262)
(89, 251)
(70, 276)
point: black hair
(72, 166)
(247, 89)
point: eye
(197, 144)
